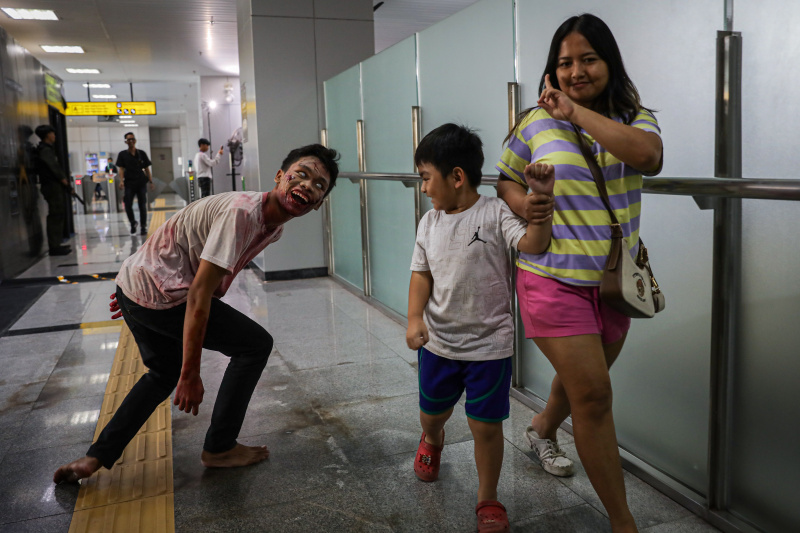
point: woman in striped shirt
(584, 83)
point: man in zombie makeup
(168, 293)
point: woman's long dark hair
(620, 97)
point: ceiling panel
(164, 46)
(397, 19)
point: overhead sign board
(52, 92)
(123, 109)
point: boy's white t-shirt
(226, 229)
(469, 312)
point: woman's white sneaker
(552, 458)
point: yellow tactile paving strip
(136, 495)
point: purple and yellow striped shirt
(581, 234)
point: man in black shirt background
(55, 186)
(134, 175)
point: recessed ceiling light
(62, 49)
(83, 71)
(109, 96)
(30, 14)
(97, 85)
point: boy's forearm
(419, 292)
(537, 238)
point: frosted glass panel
(661, 379)
(465, 64)
(766, 408)
(342, 110)
(770, 47)
(390, 90)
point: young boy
(459, 313)
(168, 293)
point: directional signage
(126, 109)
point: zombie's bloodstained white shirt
(225, 229)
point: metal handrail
(760, 189)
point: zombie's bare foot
(239, 455)
(76, 470)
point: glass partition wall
(459, 71)
(390, 92)
(764, 407)
(342, 111)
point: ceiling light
(83, 71)
(109, 96)
(212, 104)
(97, 85)
(30, 14)
(62, 49)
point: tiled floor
(337, 407)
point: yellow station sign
(93, 109)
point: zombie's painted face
(302, 187)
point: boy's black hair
(43, 130)
(129, 133)
(327, 156)
(203, 141)
(450, 146)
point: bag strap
(599, 180)
(597, 174)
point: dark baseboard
(286, 275)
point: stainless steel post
(326, 214)
(416, 135)
(513, 112)
(513, 103)
(726, 284)
(362, 183)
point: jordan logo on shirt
(476, 238)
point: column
(286, 51)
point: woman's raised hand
(557, 104)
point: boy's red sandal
(426, 463)
(492, 517)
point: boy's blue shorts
(442, 380)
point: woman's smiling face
(582, 74)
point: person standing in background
(203, 165)
(134, 175)
(54, 184)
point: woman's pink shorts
(550, 308)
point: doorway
(162, 164)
